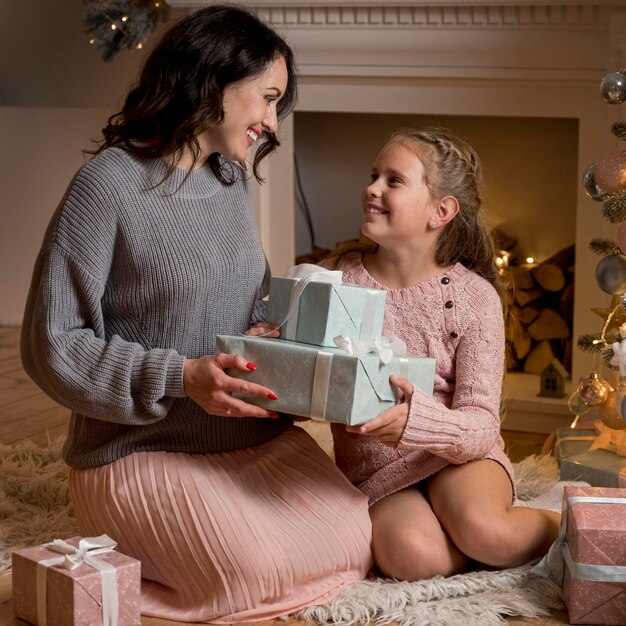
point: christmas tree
(605, 182)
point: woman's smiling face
(249, 111)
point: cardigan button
(445, 280)
(454, 334)
(449, 304)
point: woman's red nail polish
(274, 415)
(251, 366)
(272, 396)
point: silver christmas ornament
(590, 184)
(611, 274)
(593, 390)
(613, 87)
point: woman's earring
(432, 224)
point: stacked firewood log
(541, 305)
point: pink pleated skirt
(231, 537)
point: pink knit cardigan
(457, 319)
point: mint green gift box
(599, 468)
(347, 389)
(326, 310)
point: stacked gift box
(330, 362)
(599, 467)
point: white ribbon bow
(386, 346)
(87, 548)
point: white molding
(435, 17)
(584, 4)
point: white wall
(55, 96)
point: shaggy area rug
(35, 508)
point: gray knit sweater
(130, 280)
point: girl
(439, 484)
(235, 514)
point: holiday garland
(114, 25)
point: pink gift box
(74, 597)
(595, 536)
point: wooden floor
(27, 413)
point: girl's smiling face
(397, 205)
(249, 111)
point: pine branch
(614, 207)
(115, 25)
(590, 343)
(606, 356)
(604, 247)
(619, 130)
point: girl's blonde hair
(451, 168)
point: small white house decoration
(553, 380)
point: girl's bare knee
(407, 558)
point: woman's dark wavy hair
(180, 91)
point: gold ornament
(593, 390)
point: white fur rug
(35, 508)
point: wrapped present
(313, 306)
(599, 468)
(348, 384)
(572, 441)
(83, 582)
(588, 559)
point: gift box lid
(596, 530)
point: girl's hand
(264, 328)
(207, 384)
(389, 425)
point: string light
(530, 260)
(115, 25)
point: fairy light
(124, 18)
(139, 46)
(530, 260)
(113, 26)
(92, 41)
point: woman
(234, 513)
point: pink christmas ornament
(611, 172)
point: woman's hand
(207, 384)
(264, 328)
(389, 425)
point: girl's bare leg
(408, 540)
(473, 504)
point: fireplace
(541, 60)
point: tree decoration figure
(114, 25)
